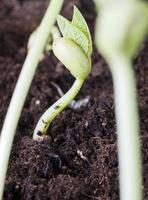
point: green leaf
(72, 32)
(79, 21)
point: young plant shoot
(74, 50)
(121, 27)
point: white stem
(22, 87)
(55, 109)
(128, 129)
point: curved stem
(55, 109)
(22, 87)
(128, 129)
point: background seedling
(74, 50)
(75, 105)
(23, 85)
(121, 27)
(54, 34)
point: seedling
(121, 27)
(23, 85)
(74, 50)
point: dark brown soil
(80, 160)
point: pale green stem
(55, 109)
(128, 129)
(22, 87)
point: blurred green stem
(128, 129)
